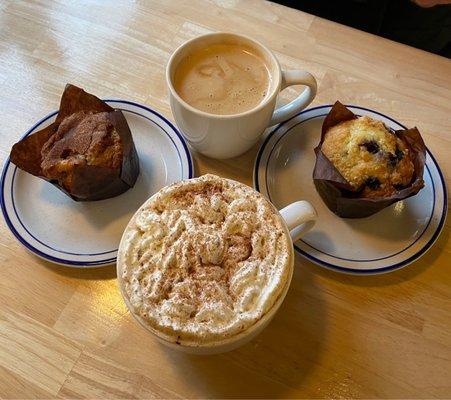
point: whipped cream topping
(203, 260)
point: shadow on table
(274, 364)
(97, 273)
(238, 168)
(395, 277)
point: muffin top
(371, 158)
(83, 138)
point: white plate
(386, 241)
(84, 234)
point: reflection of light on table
(107, 301)
(399, 207)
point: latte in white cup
(223, 79)
(203, 261)
(243, 92)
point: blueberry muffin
(374, 161)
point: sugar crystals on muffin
(370, 157)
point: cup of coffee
(223, 89)
(205, 263)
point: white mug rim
(260, 106)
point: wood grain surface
(66, 333)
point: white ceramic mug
(298, 218)
(226, 136)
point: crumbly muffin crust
(82, 138)
(372, 159)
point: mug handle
(300, 217)
(290, 78)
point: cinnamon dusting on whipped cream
(204, 259)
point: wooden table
(67, 333)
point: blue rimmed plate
(58, 229)
(388, 240)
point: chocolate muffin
(372, 159)
(81, 139)
(88, 152)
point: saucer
(87, 234)
(383, 242)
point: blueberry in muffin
(373, 160)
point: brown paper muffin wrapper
(336, 192)
(89, 182)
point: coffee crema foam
(204, 259)
(222, 79)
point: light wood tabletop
(66, 332)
